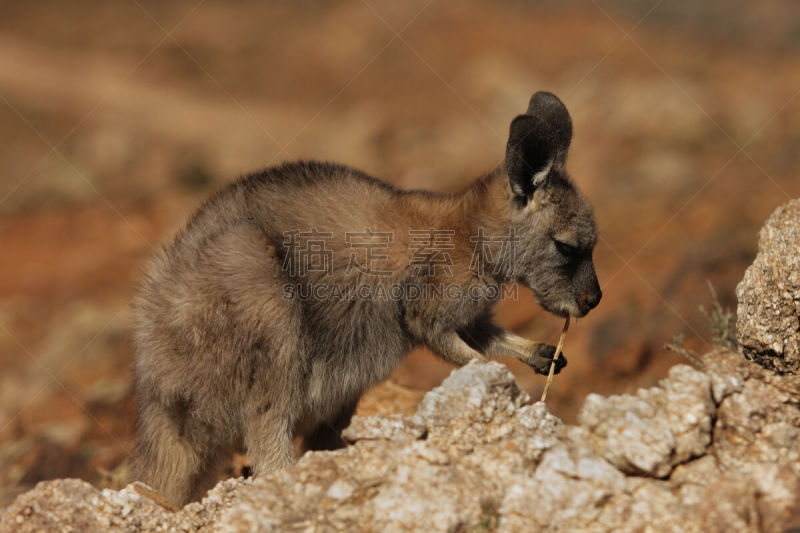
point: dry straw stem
(555, 358)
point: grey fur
(228, 358)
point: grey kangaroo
(294, 289)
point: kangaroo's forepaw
(542, 358)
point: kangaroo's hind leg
(328, 434)
(271, 407)
(173, 451)
(268, 441)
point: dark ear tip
(544, 100)
(544, 96)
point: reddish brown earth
(111, 132)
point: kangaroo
(294, 289)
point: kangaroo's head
(553, 221)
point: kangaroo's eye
(567, 250)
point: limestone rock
(711, 450)
(658, 428)
(391, 427)
(768, 315)
(74, 505)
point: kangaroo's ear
(538, 140)
(553, 112)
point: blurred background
(117, 118)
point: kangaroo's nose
(594, 299)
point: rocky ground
(713, 448)
(769, 307)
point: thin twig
(555, 358)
